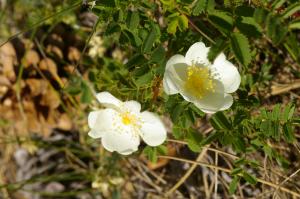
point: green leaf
(226, 138)
(260, 15)
(151, 153)
(136, 60)
(132, 37)
(194, 139)
(288, 132)
(177, 132)
(239, 117)
(112, 28)
(144, 79)
(248, 26)
(233, 185)
(275, 113)
(106, 3)
(168, 2)
(213, 136)
(239, 144)
(139, 71)
(223, 21)
(186, 1)
(172, 26)
(150, 39)
(245, 11)
(73, 90)
(183, 23)
(158, 55)
(256, 142)
(124, 38)
(277, 4)
(219, 121)
(293, 47)
(240, 161)
(177, 111)
(162, 150)
(196, 110)
(199, 7)
(288, 112)
(294, 25)
(210, 6)
(291, 10)
(249, 178)
(268, 150)
(133, 20)
(119, 16)
(236, 171)
(216, 49)
(87, 95)
(240, 46)
(275, 29)
(177, 20)
(281, 160)
(232, 3)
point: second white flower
(205, 84)
(121, 125)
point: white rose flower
(121, 125)
(205, 84)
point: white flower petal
(170, 78)
(95, 134)
(108, 100)
(153, 131)
(128, 151)
(214, 102)
(123, 142)
(168, 85)
(133, 106)
(176, 59)
(101, 120)
(227, 73)
(197, 54)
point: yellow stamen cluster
(199, 81)
(128, 118)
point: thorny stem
(209, 148)
(201, 32)
(276, 186)
(223, 153)
(196, 28)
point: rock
(73, 54)
(37, 86)
(21, 157)
(54, 187)
(64, 122)
(49, 65)
(31, 58)
(8, 59)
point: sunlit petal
(197, 54)
(171, 78)
(153, 131)
(133, 106)
(108, 100)
(101, 120)
(123, 142)
(227, 73)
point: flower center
(128, 119)
(199, 81)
